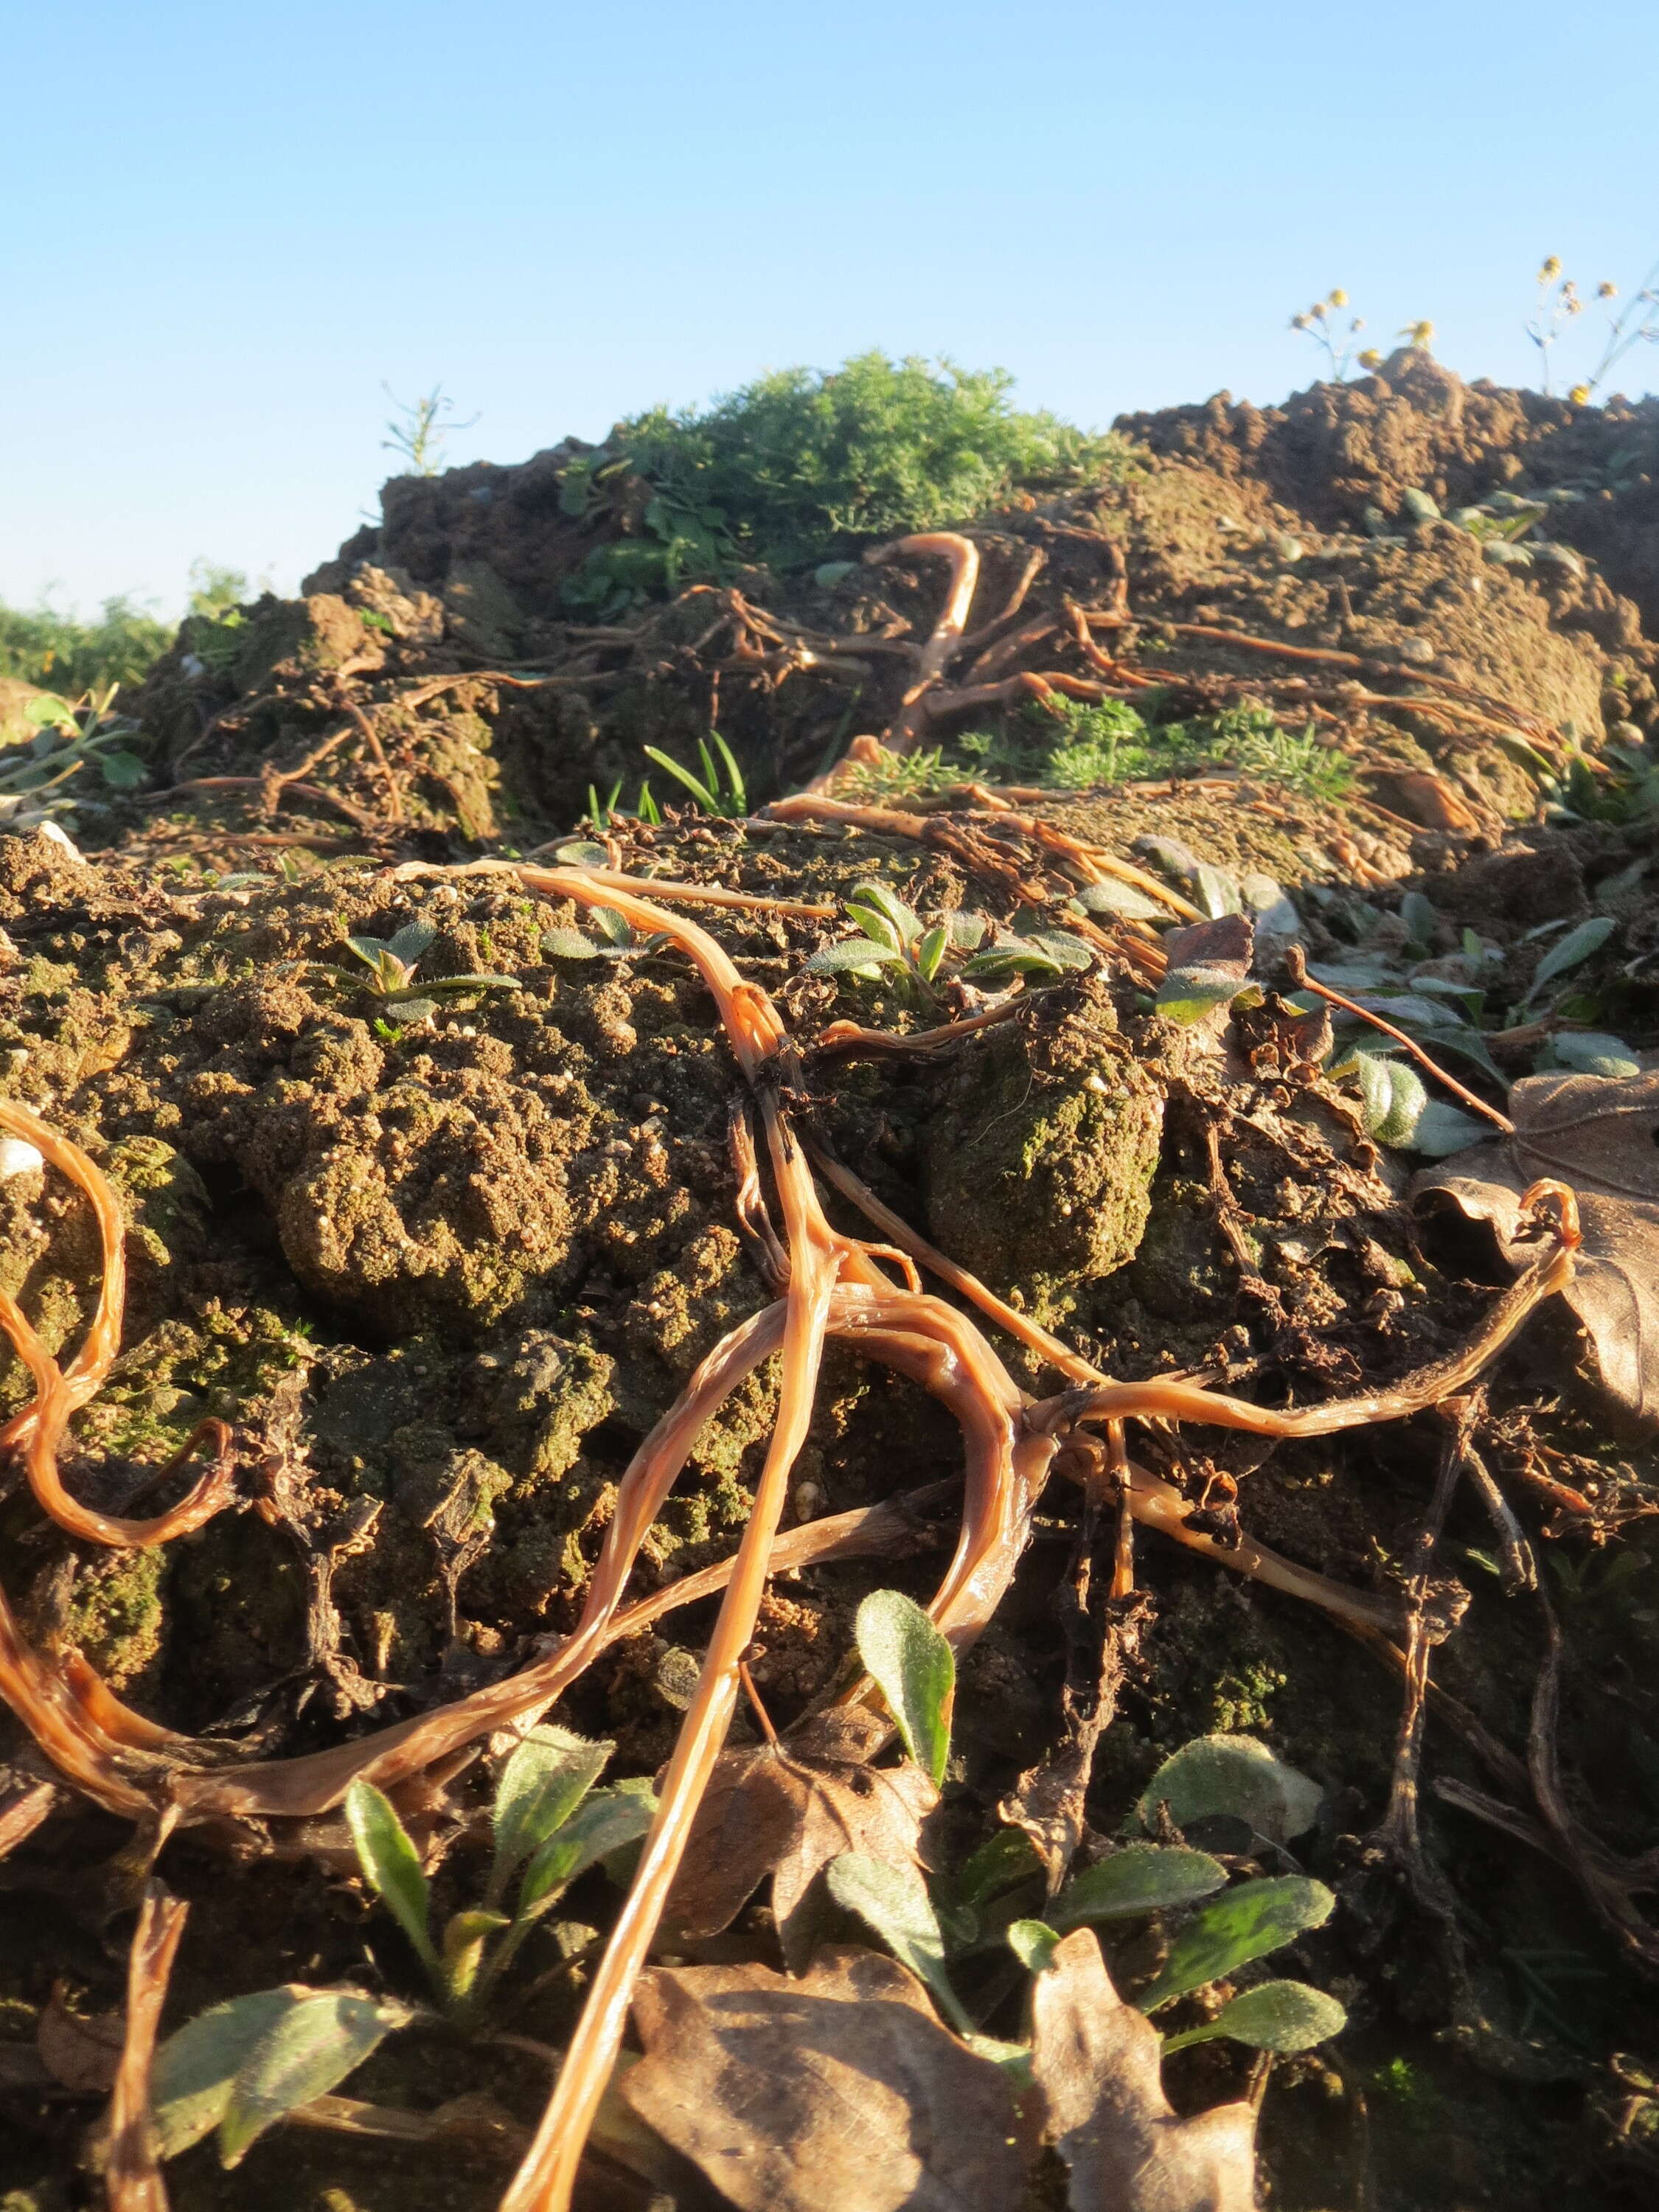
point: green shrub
(805, 464)
(65, 654)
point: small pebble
(18, 1158)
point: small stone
(1417, 650)
(18, 1157)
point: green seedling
(246, 2064)
(892, 935)
(392, 962)
(720, 789)
(617, 939)
(68, 741)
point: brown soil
(451, 1271)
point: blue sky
(226, 226)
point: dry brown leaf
(1599, 1135)
(839, 2092)
(1096, 2060)
(786, 1809)
(82, 2051)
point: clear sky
(227, 225)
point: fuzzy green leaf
(122, 771)
(581, 853)
(608, 1821)
(1216, 891)
(851, 955)
(614, 927)
(893, 1901)
(542, 1783)
(1234, 1775)
(465, 1936)
(1443, 1130)
(1063, 949)
(390, 1864)
(1574, 949)
(931, 951)
(1391, 1097)
(1141, 1878)
(875, 926)
(1257, 1917)
(1122, 899)
(905, 920)
(307, 2049)
(967, 931)
(913, 1666)
(569, 945)
(191, 2080)
(1589, 1051)
(414, 939)
(1032, 1942)
(483, 982)
(1420, 919)
(1281, 2016)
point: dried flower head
(1605, 291)
(1550, 270)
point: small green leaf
(1279, 2016)
(390, 1864)
(1032, 1942)
(893, 1900)
(1140, 1878)
(967, 931)
(852, 956)
(374, 951)
(1063, 949)
(607, 1822)
(122, 771)
(1257, 1916)
(1420, 919)
(1121, 899)
(1237, 1776)
(581, 853)
(412, 941)
(1443, 1130)
(483, 982)
(1216, 891)
(913, 1666)
(614, 927)
(50, 712)
(306, 2051)
(542, 1783)
(1002, 1862)
(905, 921)
(465, 1936)
(1573, 950)
(1589, 1051)
(568, 945)
(1187, 994)
(705, 798)
(412, 1010)
(733, 773)
(875, 926)
(1392, 1096)
(931, 951)
(191, 2082)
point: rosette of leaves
(242, 2066)
(616, 938)
(392, 962)
(893, 936)
(936, 1927)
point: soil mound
(1163, 897)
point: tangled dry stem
(829, 1286)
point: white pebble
(18, 1158)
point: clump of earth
(442, 1270)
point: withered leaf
(839, 2092)
(1095, 2059)
(81, 2050)
(785, 1810)
(1600, 1135)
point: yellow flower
(1370, 358)
(1419, 333)
(1550, 269)
(1604, 291)
(1339, 297)
(1580, 395)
